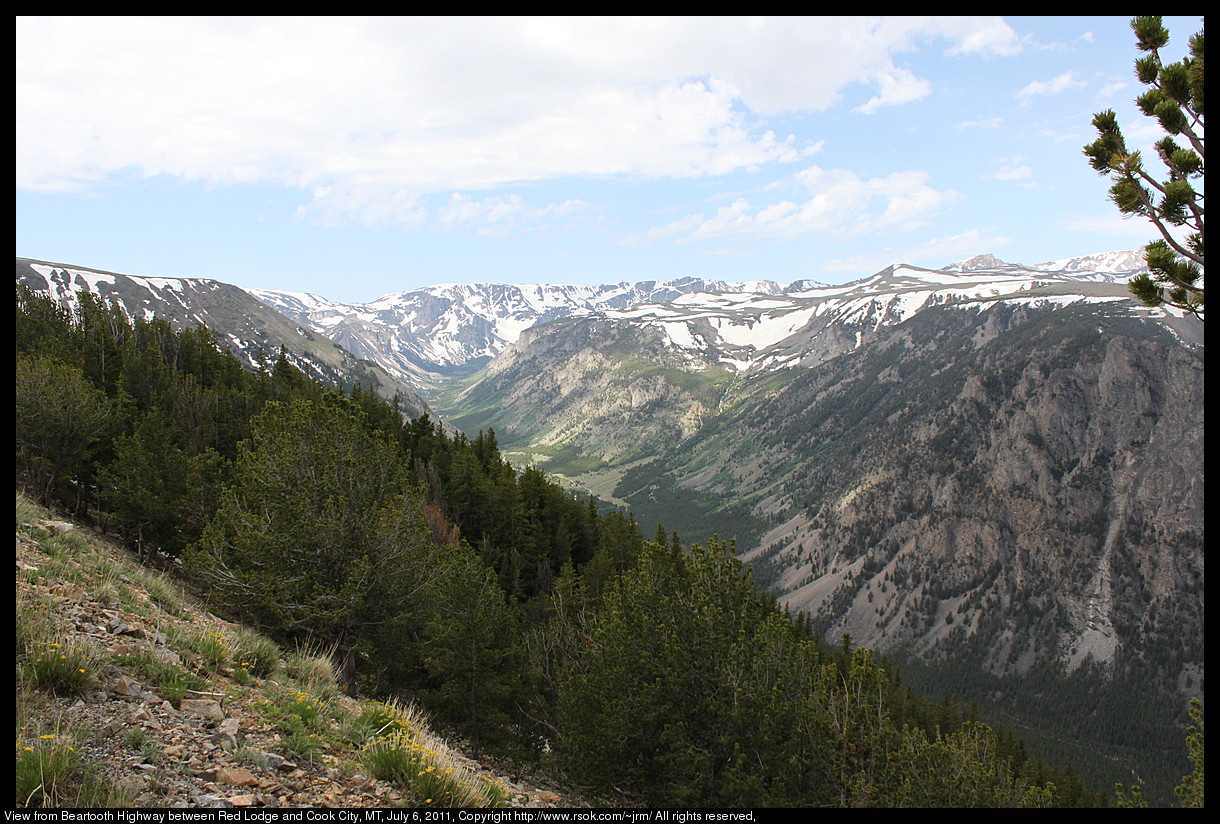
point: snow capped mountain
(245, 326)
(63, 283)
(451, 328)
(425, 335)
(807, 325)
(978, 262)
(1108, 266)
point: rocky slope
(1025, 483)
(139, 737)
(591, 392)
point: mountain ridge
(428, 335)
(243, 324)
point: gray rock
(204, 707)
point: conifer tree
(1174, 205)
(144, 486)
(473, 654)
(60, 420)
(321, 537)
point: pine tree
(321, 537)
(1175, 99)
(686, 689)
(144, 487)
(60, 421)
(474, 656)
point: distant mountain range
(425, 337)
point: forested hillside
(531, 621)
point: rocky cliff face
(1023, 483)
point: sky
(357, 157)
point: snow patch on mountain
(1109, 265)
(424, 334)
(1103, 266)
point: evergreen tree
(144, 487)
(320, 536)
(685, 689)
(61, 421)
(474, 657)
(45, 327)
(1174, 205)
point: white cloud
(988, 123)
(837, 202)
(374, 114)
(339, 206)
(897, 86)
(986, 36)
(498, 214)
(1013, 173)
(1013, 170)
(1057, 85)
(1143, 132)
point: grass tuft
(212, 647)
(315, 670)
(28, 512)
(52, 772)
(60, 667)
(255, 654)
(403, 751)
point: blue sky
(358, 157)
